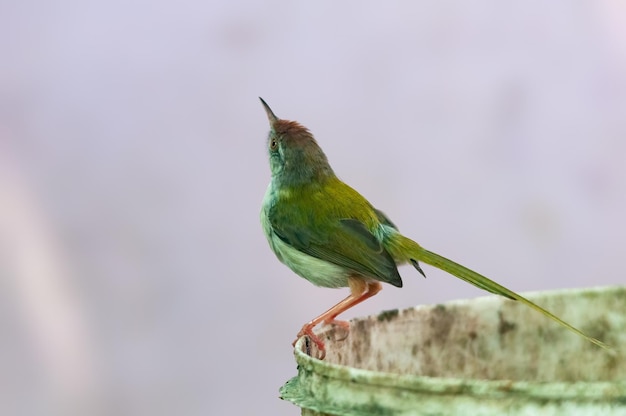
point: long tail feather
(489, 285)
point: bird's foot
(307, 330)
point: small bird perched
(328, 233)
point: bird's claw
(307, 331)
(311, 338)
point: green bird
(328, 233)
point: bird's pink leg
(360, 290)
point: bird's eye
(273, 144)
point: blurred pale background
(134, 276)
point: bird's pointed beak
(270, 114)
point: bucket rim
(541, 390)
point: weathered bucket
(487, 356)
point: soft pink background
(134, 276)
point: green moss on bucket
(487, 356)
(387, 315)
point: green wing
(345, 242)
(384, 218)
